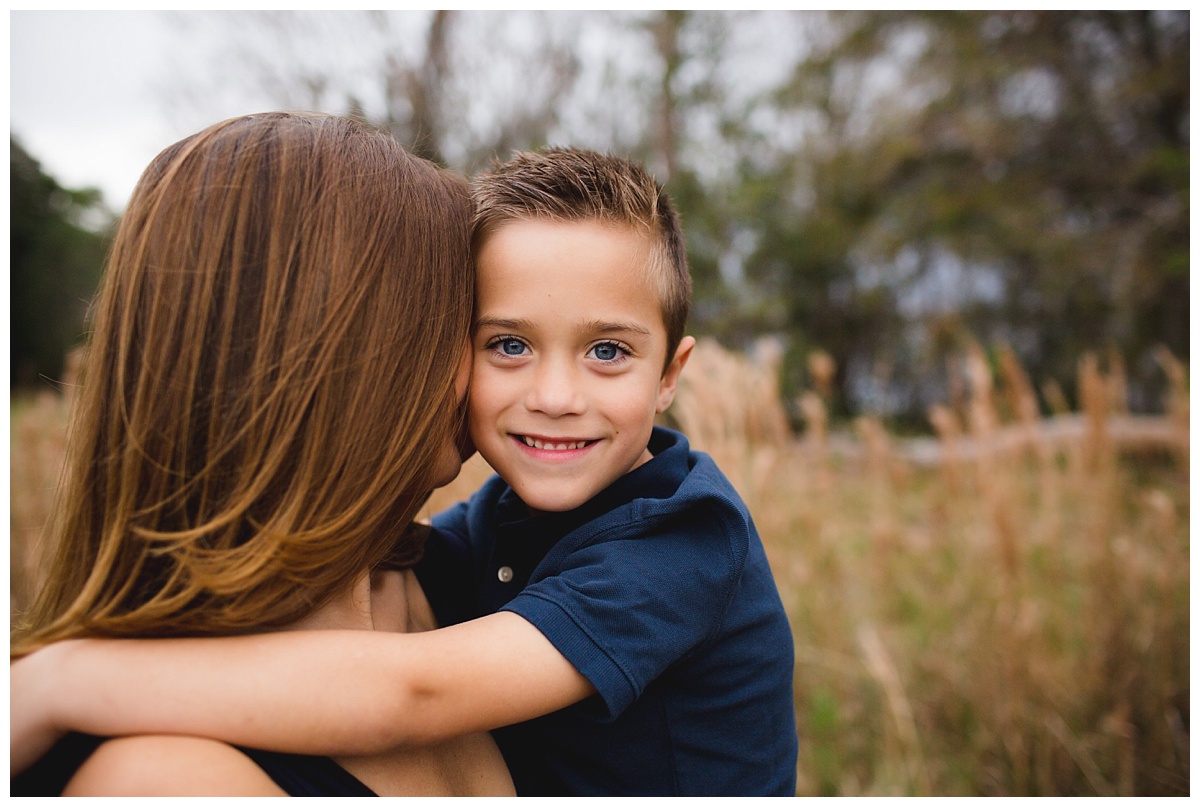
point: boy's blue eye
(512, 347)
(608, 351)
(508, 346)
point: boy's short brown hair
(568, 184)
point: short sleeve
(622, 609)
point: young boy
(610, 601)
(632, 555)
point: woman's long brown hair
(269, 383)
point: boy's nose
(554, 391)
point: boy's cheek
(478, 427)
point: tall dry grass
(37, 444)
(1004, 610)
(1008, 618)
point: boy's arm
(314, 692)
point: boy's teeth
(535, 443)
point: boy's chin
(558, 502)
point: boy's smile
(569, 347)
(552, 449)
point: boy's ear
(666, 387)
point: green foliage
(883, 187)
(1018, 177)
(55, 266)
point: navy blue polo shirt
(659, 592)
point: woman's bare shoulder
(169, 766)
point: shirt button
(504, 574)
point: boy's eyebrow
(592, 325)
(601, 326)
(500, 322)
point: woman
(272, 391)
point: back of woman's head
(269, 382)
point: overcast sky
(91, 92)
(86, 90)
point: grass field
(1001, 611)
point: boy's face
(569, 352)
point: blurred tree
(883, 186)
(681, 84)
(454, 88)
(1015, 176)
(55, 263)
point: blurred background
(941, 269)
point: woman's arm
(314, 692)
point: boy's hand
(31, 722)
